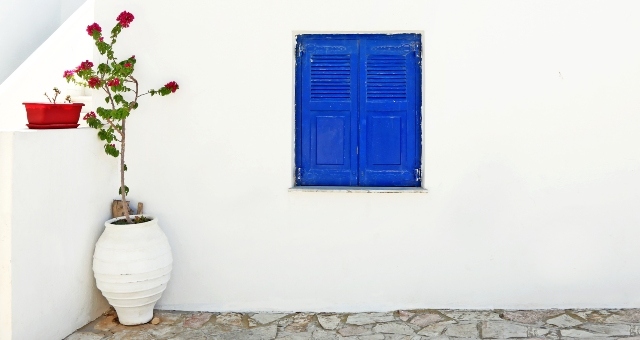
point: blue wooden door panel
(389, 136)
(328, 112)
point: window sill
(363, 190)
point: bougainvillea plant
(56, 92)
(115, 78)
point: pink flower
(172, 85)
(133, 57)
(69, 73)
(114, 82)
(127, 65)
(93, 27)
(101, 39)
(94, 82)
(89, 115)
(125, 18)
(113, 145)
(85, 65)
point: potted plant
(53, 115)
(132, 261)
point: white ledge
(377, 190)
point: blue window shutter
(326, 111)
(389, 122)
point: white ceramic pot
(132, 265)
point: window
(358, 99)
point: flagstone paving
(397, 325)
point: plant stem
(122, 187)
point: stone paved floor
(409, 324)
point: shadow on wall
(23, 29)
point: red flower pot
(53, 116)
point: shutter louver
(330, 77)
(386, 77)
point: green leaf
(121, 113)
(104, 113)
(126, 190)
(111, 150)
(106, 99)
(164, 91)
(104, 68)
(94, 123)
(102, 134)
(125, 167)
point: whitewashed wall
(53, 186)
(42, 71)
(531, 120)
(25, 25)
(6, 156)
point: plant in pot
(53, 115)
(132, 261)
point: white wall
(6, 157)
(25, 24)
(57, 197)
(531, 115)
(42, 71)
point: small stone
(131, 335)
(473, 315)
(299, 323)
(320, 334)
(593, 316)
(613, 330)
(330, 322)
(265, 318)
(564, 320)
(466, 330)
(533, 332)
(196, 320)
(84, 336)
(529, 316)
(435, 329)
(169, 318)
(294, 336)
(230, 319)
(106, 324)
(401, 337)
(405, 315)
(369, 318)
(164, 332)
(393, 328)
(191, 334)
(371, 337)
(258, 333)
(503, 330)
(427, 319)
(577, 333)
(353, 330)
(439, 337)
(626, 315)
(155, 321)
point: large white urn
(132, 264)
